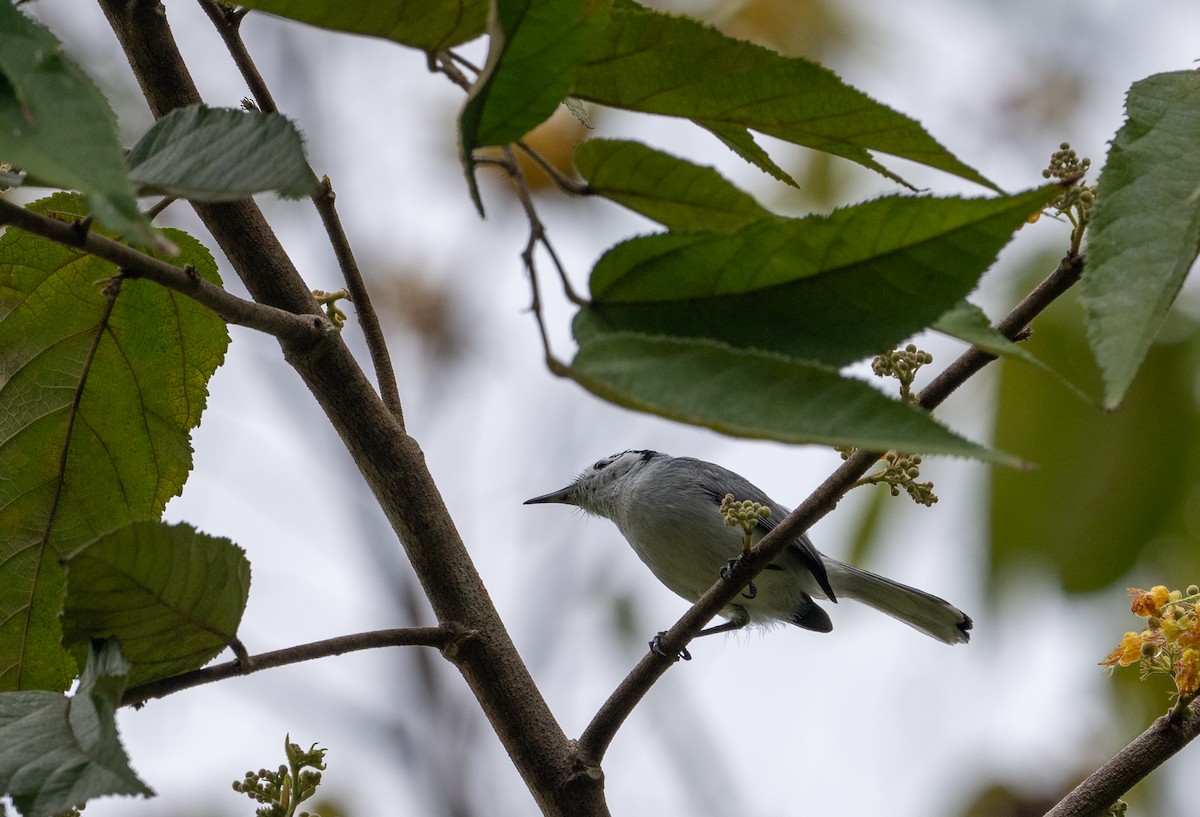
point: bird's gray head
(596, 489)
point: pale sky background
(873, 719)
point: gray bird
(667, 508)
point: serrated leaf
(831, 289)
(1145, 232)
(174, 597)
(95, 415)
(57, 126)
(741, 142)
(658, 63)
(753, 394)
(221, 154)
(536, 47)
(60, 752)
(429, 25)
(674, 192)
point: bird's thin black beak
(563, 497)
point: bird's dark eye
(600, 464)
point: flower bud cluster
(902, 364)
(743, 513)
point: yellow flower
(1187, 673)
(1147, 603)
(1129, 652)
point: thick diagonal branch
(1102, 788)
(391, 462)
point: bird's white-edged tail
(931, 615)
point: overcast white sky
(872, 719)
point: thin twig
(156, 209)
(228, 24)
(227, 21)
(537, 230)
(599, 733)
(564, 183)
(385, 375)
(440, 637)
(442, 62)
(463, 61)
(135, 264)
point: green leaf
(57, 126)
(753, 394)
(536, 48)
(221, 154)
(831, 289)
(741, 142)
(174, 597)
(1145, 232)
(676, 193)
(657, 63)
(1110, 487)
(60, 752)
(429, 25)
(95, 415)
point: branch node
(456, 636)
(81, 227)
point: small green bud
(1193, 590)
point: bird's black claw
(727, 568)
(727, 572)
(656, 647)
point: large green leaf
(1145, 233)
(221, 154)
(174, 597)
(658, 63)
(430, 25)
(57, 126)
(674, 192)
(753, 394)
(95, 414)
(60, 752)
(832, 289)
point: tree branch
(323, 199)
(1166, 736)
(391, 462)
(594, 741)
(444, 638)
(135, 264)
(228, 21)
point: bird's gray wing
(718, 481)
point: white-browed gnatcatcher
(667, 508)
